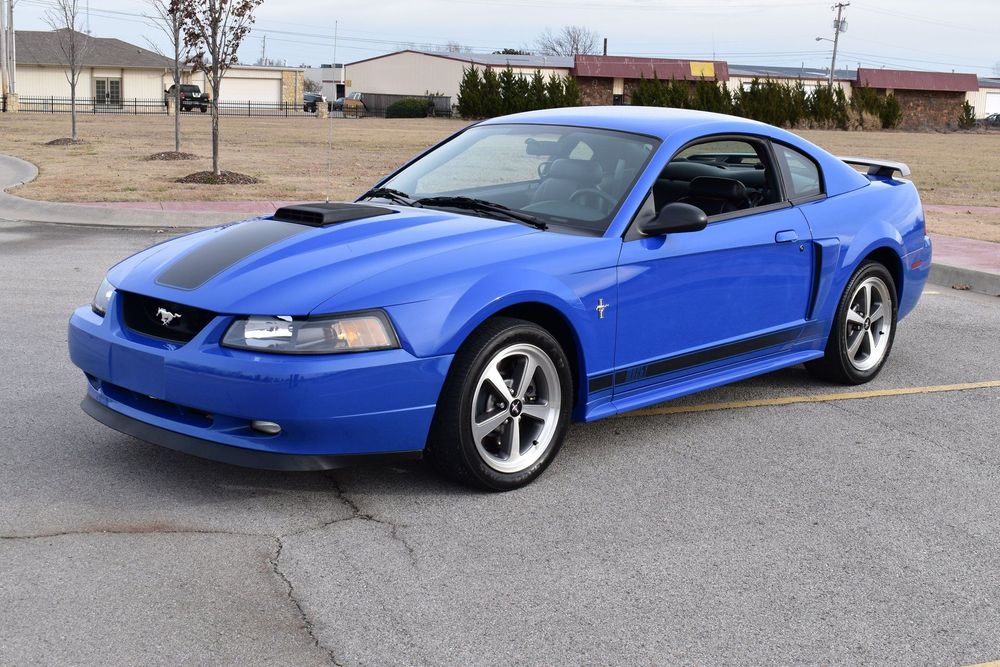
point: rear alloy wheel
(864, 328)
(505, 407)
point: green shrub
(891, 114)
(411, 107)
(967, 120)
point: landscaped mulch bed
(225, 178)
(172, 155)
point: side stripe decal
(680, 362)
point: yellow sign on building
(702, 69)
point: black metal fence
(141, 107)
(90, 105)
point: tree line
(486, 93)
(776, 103)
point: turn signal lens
(356, 332)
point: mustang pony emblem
(166, 317)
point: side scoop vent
(321, 215)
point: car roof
(658, 122)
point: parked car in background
(568, 264)
(191, 97)
(353, 103)
(310, 100)
(991, 121)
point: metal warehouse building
(413, 72)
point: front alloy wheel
(504, 408)
(515, 409)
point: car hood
(272, 267)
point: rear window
(190, 89)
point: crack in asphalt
(154, 528)
(290, 591)
(361, 515)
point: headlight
(103, 297)
(355, 332)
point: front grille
(163, 319)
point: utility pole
(11, 48)
(839, 26)
(263, 50)
(4, 75)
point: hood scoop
(323, 215)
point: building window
(108, 92)
(618, 100)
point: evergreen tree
(571, 92)
(536, 91)
(508, 97)
(491, 99)
(554, 89)
(470, 94)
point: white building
(114, 71)
(412, 72)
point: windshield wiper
(395, 196)
(483, 206)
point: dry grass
(292, 160)
(290, 156)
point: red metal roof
(905, 80)
(625, 67)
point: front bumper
(200, 397)
(240, 456)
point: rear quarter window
(803, 175)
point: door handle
(786, 236)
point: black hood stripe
(225, 249)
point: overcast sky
(960, 35)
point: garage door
(252, 90)
(992, 103)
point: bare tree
(74, 46)
(171, 24)
(214, 30)
(570, 41)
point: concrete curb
(978, 281)
(15, 172)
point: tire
(204, 109)
(863, 330)
(536, 409)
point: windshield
(565, 176)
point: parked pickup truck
(191, 97)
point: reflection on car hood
(269, 267)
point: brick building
(611, 79)
(929, 100)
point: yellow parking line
(814, 398)
(991, 663)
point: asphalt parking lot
(849, 531)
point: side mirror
(675, 218)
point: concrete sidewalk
(957, 261)
(14, 172)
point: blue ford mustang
(529, 270)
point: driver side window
(719, 177)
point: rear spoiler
(884, 168)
